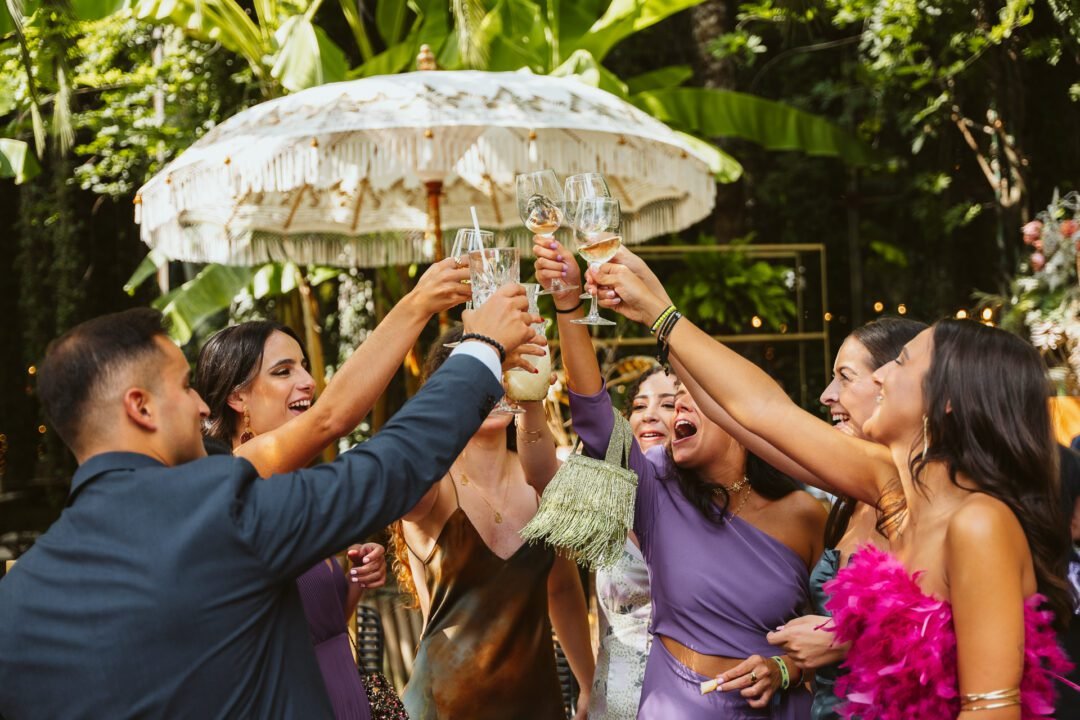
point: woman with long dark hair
(254, 378)
(956, 618)
(728, 540)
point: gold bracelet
(1007, 698)
(531, 436)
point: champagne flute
(577, 188)
(520, 384)
(466, 241)
(540, 205)
(596, 223)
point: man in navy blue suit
(166, 588)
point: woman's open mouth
(683, 430)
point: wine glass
(596, 224)
(577, 188)
(490, 269)
(540, 205)
(466, 241)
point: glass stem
(593, 311)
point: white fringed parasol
(353, 173)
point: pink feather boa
(902, 661)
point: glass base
(592, 320)
(560, 290)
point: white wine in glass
(540, 205)
(596, 223)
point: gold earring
(925, 434)
(248, 432)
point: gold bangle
(997, 699)
(531, 436)
(991, 706)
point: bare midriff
(707, 665)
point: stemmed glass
(540, 205)
(490, 269)
(577, 188)
(596, 224)
(466, 241)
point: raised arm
(536, 446)
(857, 468)
(352, 392)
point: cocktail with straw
(490, 269)
(466, 241)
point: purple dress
(322, 591)
(716, 589)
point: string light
(828, 317)
(987, 314)
(961, 314)
(901, 309)
(32, 370)
(879, 306)
(755, 321)
(41, 429)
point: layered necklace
(735, 488)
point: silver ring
(753, 677)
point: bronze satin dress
(486, 651)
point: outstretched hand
(553, 261)
(441, 287)
(505, 318)
(620, 289)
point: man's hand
(505, 318)
(441, 287)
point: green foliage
(17, 161)
(726, 289)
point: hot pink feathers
(902, 661)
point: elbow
(332, 426)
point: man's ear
(237, 402)
(139, 408)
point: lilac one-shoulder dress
(323, 590)
(716, 589)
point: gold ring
(753, 677)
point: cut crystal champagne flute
(466, 241)
(597, 223)
(577, 188)
(541, 205)
(490, 269)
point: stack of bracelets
(661, 328)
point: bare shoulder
(983, 525)
(802, 506)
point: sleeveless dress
(715, 589)
(486, 651)
(902, 661)
(622, 594)
(323, 589)
(825, 699)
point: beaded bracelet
(785, 678)
(662, 347)
(490, 341)
(659, 321)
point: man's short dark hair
(81, 360)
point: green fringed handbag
(588, 507)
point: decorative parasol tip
(425, 60)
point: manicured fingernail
(554, 246)
(564, 273)
(559, 258)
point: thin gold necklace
(746, 496)
(736, 487)
(506, 491)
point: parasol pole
(425, 60)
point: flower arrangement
(1045, 298)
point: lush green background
(912, 138)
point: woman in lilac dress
(254, 377)
(728, 541)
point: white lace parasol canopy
(340, 174)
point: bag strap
(618, 449)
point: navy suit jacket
(169, 591)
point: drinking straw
(476, 226)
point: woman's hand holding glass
(541, 206)
(441, 287)
(555, 262)
(623, 291)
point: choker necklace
(733, 487)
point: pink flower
(1032, 231)
(1038, 261)
(1068, 228)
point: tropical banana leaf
(149, 266)
(725, 168)
(622, 19)
(96, 9)
(511, 36)
(773, 125)
(666, 77)
(582, 65)
(202, 297)
(17, 161)
(307, 56)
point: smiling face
(652, 409)
(696, 441)
(901, 405)
(281, 389)
(852, 395)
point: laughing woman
(728, 541)
(254, 377)
(955, 620)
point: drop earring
(248, 432)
